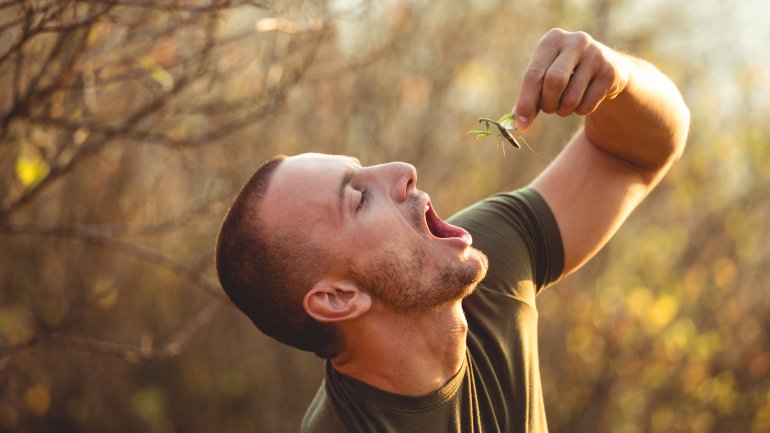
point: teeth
(426, 207)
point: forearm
(646, 124)
(636, 127)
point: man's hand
(635, 129)
(569, 73)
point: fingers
(557, 78)
(574, 93)
(594, 95)
(569, 73)
(528, 103)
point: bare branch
(171, 224)
(87, 150)
(129, 129)
(214, 6)
(10, 3)
(97, 238)
(30, 28)
(130, 56)
(21, 102)
(12, 23)
(87, 21)
(375, 55)
(171, 347)
(151, 137)
(69, 62)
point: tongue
(440, 229)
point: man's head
(314, 241)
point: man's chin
(476, 269)
(480, 260)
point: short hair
(266, 273)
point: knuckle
(549, 104)
(582, 38)
(564, 108)
(554, 78)
(548, 108)
(524, 107)
(597, 54)
(569, 101)
(607, 75)
(555, 33)
(533, 75)
(585, 109)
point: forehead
(305, 189)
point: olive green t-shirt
(498, 386)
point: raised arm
(635, 128)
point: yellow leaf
(31, 170)
(663, 310)
(157, 72)
(38, 399)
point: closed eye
(363, 201)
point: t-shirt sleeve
(519, 235)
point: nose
(405, 176)
(401, 177)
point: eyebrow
(345, 182)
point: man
(431, 326)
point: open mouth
(441, 229)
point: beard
(401, 280)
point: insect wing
(508, 121)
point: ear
(335, 300)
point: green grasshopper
(501, 125)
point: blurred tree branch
(175, 6)
(242, 115)
(81, 78)
(172, 346)
(97, 238)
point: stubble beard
(398, 281)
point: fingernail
(521, 122)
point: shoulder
(321, 416)
(517, 216)
(519, 234)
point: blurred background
(127, 126)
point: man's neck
(406, 354)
